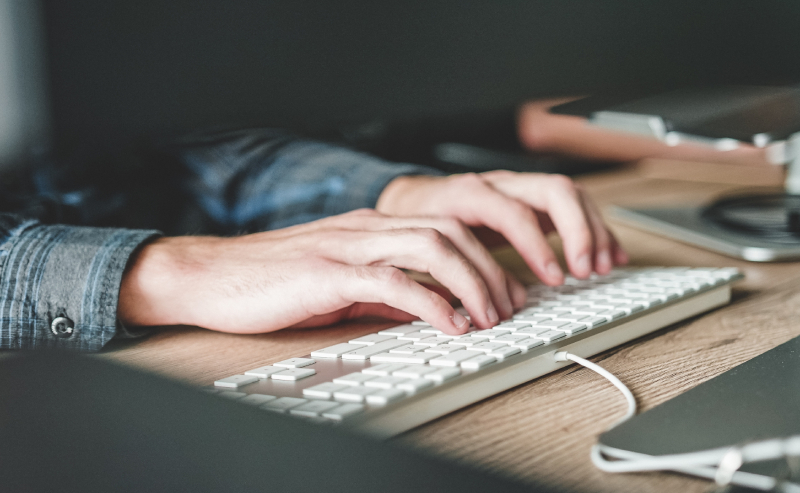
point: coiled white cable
(706, 463)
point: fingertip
(603, 262)
(582, 266)
(460, 322)
(518, 293)
(553, 273)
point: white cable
(564, 356)
(703, 463)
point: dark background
(123, 72)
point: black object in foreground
(77, 423)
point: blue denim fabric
(240, 181)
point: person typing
(329, 232)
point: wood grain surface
(544, 429)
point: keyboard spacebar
(365, 352)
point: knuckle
(454, 227)
(387, 275)
(562, 182)
(469, 180)
(430, 237)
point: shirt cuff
(60, 285)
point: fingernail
(583, 265)
(553, 270)
(491, 314)
(458, 320)
(603, 261)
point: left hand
(523, 208)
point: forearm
(261, 179)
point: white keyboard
(401, 377)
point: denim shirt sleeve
(262, 179)
(59, 285)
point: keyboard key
(410, 359)
(407, 349)
(456, 358)
(479, 362)
(467, 341)
(235, 381)
(552, 324)
(532, 331)
(432, 341)
(550, 335)
(443, 374)
(294, 374)
(431, 330)
(445, 349)
(510, 339)
(343, 412)
(399, 330)
(313, 408)
(421, 323)
(534, 319)
(228, 394)
(257, 399)
(371, 339)
(613, 313)
(487, 347)
(414, 336)
(573, 328)
(491, 333)
(336, 351)
(383, 397)
(512, 326)
(502, 353)
(414, 386)
(283, 404)
(264, 371)
(354, 379)
(414, 371)
(365, 352)
(595, 322)
(528, 344)
(384, 370)
(295, 363)
(385, 382)
(354, 394)
(459, 336)
(323, 390)
(573, 317)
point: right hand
(319, 273)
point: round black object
(771, 216)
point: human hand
(318, 273)
(523, 208)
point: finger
(617, 254)
(520, 226)
(518, 292)
(390, 286)
(559, 198)
(603, 262)
(422, 250)
(469, 246)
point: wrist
(156, 283)
(400, 196)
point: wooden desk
(544, 429)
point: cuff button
(62, 327)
